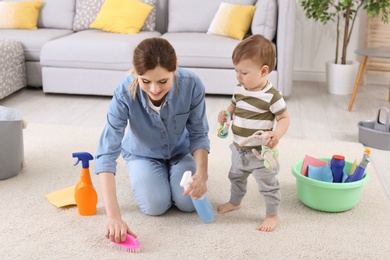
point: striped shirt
(255, 110)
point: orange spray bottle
(84, 193)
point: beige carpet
(32, 228)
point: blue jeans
(156, 183)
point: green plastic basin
(328, 196)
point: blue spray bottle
(202, 205)
(84, 192)
(359, 171)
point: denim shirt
(180, 128)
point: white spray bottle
(202, 205)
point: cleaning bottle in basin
(337, 166)
(84, 193)
(359, 171)
(202, 205)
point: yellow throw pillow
(232, 20)
(122, 16)
(19, 15)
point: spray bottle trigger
(84, 157)
(77, 162)
(186, 180)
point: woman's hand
(197, 188)
(117, 229)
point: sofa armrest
(285, 45)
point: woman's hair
(149, 54)
(256, 48)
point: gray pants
(244, 163)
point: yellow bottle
(85, 194)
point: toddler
(255, 106)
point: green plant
(347, 10)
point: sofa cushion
(265, 19)
(195, 16)
(57, 14)
(121, 16)
(93, 49)
(202, 50)
(33, 40)
(23, 15)
(232, 20)
(87, 10)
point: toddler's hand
(222, 118)
(274, 139)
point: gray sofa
(64, 59)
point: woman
(164, 107)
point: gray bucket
(375, 133)
(11, 143)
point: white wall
(315, 44)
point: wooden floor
(315, 114)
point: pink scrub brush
(131, 244)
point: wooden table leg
(388, 99)
(355, 89)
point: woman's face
(156, 83)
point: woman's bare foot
(227, 207)
(269, 224)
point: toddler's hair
(256, 48)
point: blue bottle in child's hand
(202, 205)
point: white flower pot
(341, 78)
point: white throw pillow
(265, 19)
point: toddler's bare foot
(269, 224)
(227, 207)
